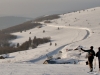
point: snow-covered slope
(75, 28)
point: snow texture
(76, 29)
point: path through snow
(54, 52)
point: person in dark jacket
(91, 54)
(98, 55)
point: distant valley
(9, 21)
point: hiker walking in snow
(91, 54)
(98, 55)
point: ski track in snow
(86, 29)
(60, 48)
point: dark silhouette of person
(98, 55)
(91, 54)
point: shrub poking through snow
(55, 44)
(17, 44)
(58, 28)
(1, 57)
(50, 43)
(43, 31)
(30, 33)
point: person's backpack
(91, 53)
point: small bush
(50, 43)
(47, 21)
(55, 44)
(18, 45)
(58, 28)
(30, 33)
(43, 31)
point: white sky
(36, 8)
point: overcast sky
(36, 8)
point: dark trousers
(99, 63)
(90, 61)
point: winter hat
(91, 47)
(99, 48)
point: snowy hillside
(80, 28)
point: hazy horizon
(36, 8)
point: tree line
(25, 46)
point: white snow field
(80, 28)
